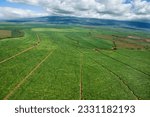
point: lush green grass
(80, 66)
(10, 47)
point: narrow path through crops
(81, 72)
(26, 50)
(26, 78)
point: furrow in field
(117, 59)
(122, 81)
(120, 78)
(38, 38)
(81, 73)
(26, 78)
(17, 54)
(127, 56)
(124, 63)
(26, 50)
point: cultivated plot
(75, 63)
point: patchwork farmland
(74, 63)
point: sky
(102, 9)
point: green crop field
(74, 63)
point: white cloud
(12, 13)
(141, 7)
(33, 2)
(107, 9)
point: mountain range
(84, 21)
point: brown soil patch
(108, 37)
(5, 34)
(134, 37)
(139, 39)
(147, 40)
(123, 42)
(127, 45)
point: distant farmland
(11, 34)
(5, 34)
(74, 63)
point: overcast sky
(103, 9)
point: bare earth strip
(26, 78)
(17, 54)
(38, 38)
(7, 59)
(81, 63)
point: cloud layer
(13, 13)
(104, 9)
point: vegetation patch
(54, 30)
(74, 63)
(11, 34)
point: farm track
(11, 38)
(26, 77)
(120, 79)
(124, 63)
(38, 38)
(17, 54)
(26, 50)
(81, 76)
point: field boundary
(36, 44)
(26, 77)
(120, 79)
(127, 56)
(81, 75)
(17, 54)
(123, 82)
(116, 59)
(124, 63)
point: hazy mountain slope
(85, 21)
